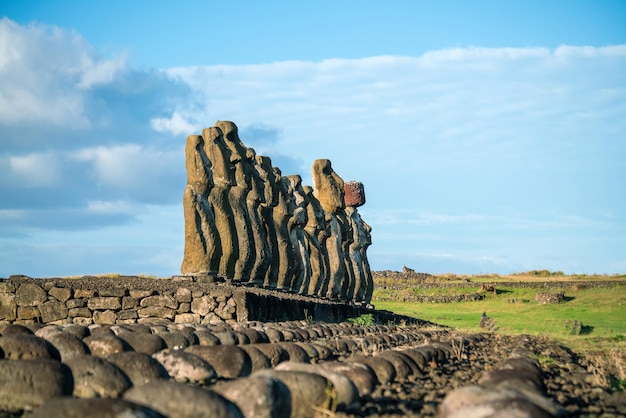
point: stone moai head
(219, 155)
(266, 173)
(231, 139)
(329, 187)
(198, 165)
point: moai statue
(302, 277)
(202, 241)
(315, 234)
(369, 280)
(265, 173)
(223, 179)
(355, 197)
(238, 196)
(329, 191)
(256, 198)
(289, 264)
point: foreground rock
(308, 370)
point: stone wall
(130, 300)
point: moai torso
(238, 196)
(329, 191)
(202, 241)
(223, 179)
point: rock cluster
(294, 368)
(190, 370)
(247, 222)
(516, 388)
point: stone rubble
(291, 369)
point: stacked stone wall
(134, 300)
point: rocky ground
(293, 368)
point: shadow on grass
(568, 298)
(586, 330)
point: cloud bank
(474, 159)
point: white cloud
(130, 167)
(176, 125)
(44, 71)
(35, 170)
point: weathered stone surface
(182, 401)
(68, 345)
(311, 394)
(295, 352)
(143, 343)
(112, 292)
(93, 408)
(27, 384)
(228, 361)
(29, 294)
(60, 293)
(354, 193)
(157, 312)
(139, 367)
(206, 338)
(259, 360)
(26, 347)
(105, 345)
(258, 396)
(346, 390)
(95, 377)
(28, 312)
(384, 369)
(186, 367)
(139, 293)
(163, 301)
(84, 293)
(107, 317)
(183, 295)
(79, 312)
(475, 401)
(75, 303)
(202, 306)
(15, 329)
(52, 311)
(175, 340)
(328, 186)
(187, 318)
(8, 306)
(361, 375)
(103, 303)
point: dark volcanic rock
(26, 384)
(93, 408)
(95, 377)
(177, 400)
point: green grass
(602, 312)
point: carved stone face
(198, 165)
(219, 155)
(329, 187)
(266, 173)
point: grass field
(602, 312)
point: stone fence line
(56, 301)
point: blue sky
(490, 136)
